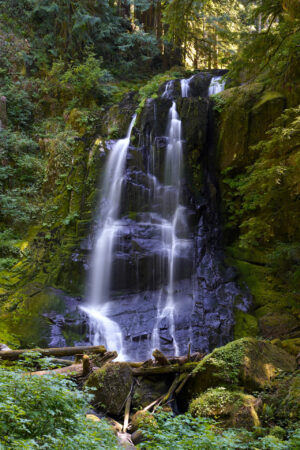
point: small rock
(137, 437)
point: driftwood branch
(158, 400)
(13, 355)
(127, 412)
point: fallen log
(157, 401)
(184, 380)
(162, 370)
(106, 358)
(75, 369)
(13, 355)
(173, 387)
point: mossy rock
(275, 308)
(282, 400)
(246, 325)
(246, 362)
(290, 345)
(113, 384)
(230, 408)
(276, 324)
(142, 419)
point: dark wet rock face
(205, 291)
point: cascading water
(174, 214)
(102, 329)
(216, 85)
(157, 275)
(185, 86)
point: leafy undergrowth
(47, 413)
(185, 432)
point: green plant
(185, 432)
(47, 412)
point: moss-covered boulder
(276, 324)
(246, 362)
(112, 385)
(281, 401)
(142, 419)
(231, 408)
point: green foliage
(185, 432)
(66, 29)
(205, 34)
(268, 195)
(271, 51)
(218, 102)
(21, 175)
(82, 80)
(47, 412)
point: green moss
(245, 325)
(291, 345)
(246, 362)
(143, 419)
(232, 408)
(274, 307)
(268, 97)
(132, 215)
(223, 365)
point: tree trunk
(13, 355)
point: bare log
(173, 387)
(162, 370)
(158, 400)
(13, 355)
(63, 362)
(75, 369)
(178, 390)
(99, 361)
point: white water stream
(169, 216)
(102, 329)
(175, 219)
(216, 85)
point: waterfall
(168, 89)
(185, 86)
(174, 214)
(102, 329)
(157, 278)
(216, 85)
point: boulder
(112, 385)
(142, 419)
(231, 408)
(137, 437)
(246, 362)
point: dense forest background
(65, 63)
(71, 75)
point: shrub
(47, 412)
